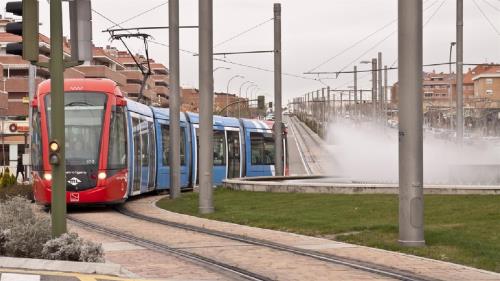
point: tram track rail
(380, 270)
(235, 272)
(302, 156)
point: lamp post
(246, 94)
(239, 96)
(227, 91)
(450, 92)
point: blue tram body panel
(142, 148)
(259, 157)
(162, 125)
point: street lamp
(227, 90)
(239, 95)
(221, 67)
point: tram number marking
(74, 197)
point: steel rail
(352, 263)
(155, 246)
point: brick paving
(431, 268)
(274, 264)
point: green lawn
(463, 229)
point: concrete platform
(331, 185)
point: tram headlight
(47, 176)
(102, 176)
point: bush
(25, 234)
(25, 191)
(7, 179)
(73, 248)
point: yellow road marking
(80, 276)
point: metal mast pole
(374, 89)
(278, 140)
(206, 105)
(411, 200)
(175, 110)
(460, 71)
(384, 100)
(355, 90)
(380, 85)
(329, 107)
(56, 64)
(31, 93)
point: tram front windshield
(84, 115)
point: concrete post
(175, 103)
(206, 105)
(384, 100)
(411, 207)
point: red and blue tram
(116, 147)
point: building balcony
(101, 71)
(18, 84)
(132, 76)
(161, 90)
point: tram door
(233, 154)
(136, 185)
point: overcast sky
(313, 32)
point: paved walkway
(432, 268)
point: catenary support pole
(355, 92)
(31, 95)
(380, 85)
(56, 64)
(460, 71)
(384, 100)
(374, 89)
(174, 101)
(410, 48)
(278, 140)
(206, 105)
(329, 106)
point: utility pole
(355, 90)
(380, 85)
(206, 105)
(410, 48)
(329, 105)
(460, 71)
(374, 89)
(56, 65)
(384, 100)
(278, 139)
(175, 110)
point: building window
(489, 92)
(489, 81)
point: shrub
(25, 191)
(27, 232)
(73, 248)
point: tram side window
(145, 143)
(219, 148)
(117, 157)
(165, 136)
(262, 148)
(36, 142)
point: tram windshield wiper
(77, 103)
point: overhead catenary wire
(218, 59)
(243, 32)
(491, 5)
(486, 17)
(138, 15)
(363, 39)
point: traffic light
(27, 28)
(270, 104)
(261, 102)
(54, 158)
